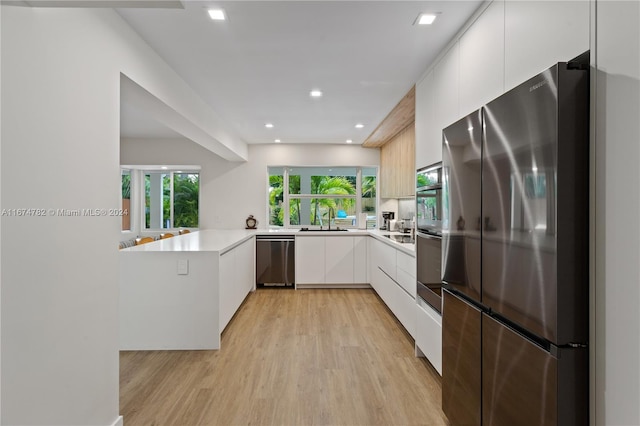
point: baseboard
(301, 286)
(119, 421)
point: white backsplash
(406, 208)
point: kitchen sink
(322, 230)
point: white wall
(617, 209)
(60, 136)
(230, 192)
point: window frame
(287, 196)
(138, 195)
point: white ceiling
(260, 64)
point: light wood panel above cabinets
(395, 137)
(399, 118)
(397, 165)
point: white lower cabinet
(429, 334)
(392, 276)
(406, 272)
(236, 279)
(338, 260)
(360, 272)
(309, 260)
(331, 260)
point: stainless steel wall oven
(429, 234)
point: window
(311, 193)
(126, 199)
(160, 197)
(171, 199)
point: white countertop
(220, 240)
(214, 240)
(405, 247)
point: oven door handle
(422, 234)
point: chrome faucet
(334, 215)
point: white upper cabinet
(509, 42)
(428, 136)
(446, 87)
(437, 106)
(541, 33)
(482, 59)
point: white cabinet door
(373, 254)
(428, 136)
(446, 87)
(338, 252)
(226, 287)
(245, 266)
(482, 59)
(310, 260)
(360, 275)
(539, 34)
(429, 334)
(236, 279)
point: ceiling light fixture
(349, 141)
(425, 19)
(277, 141)
(359, 126)
(316, 93)
(217, 14)
(268, 125)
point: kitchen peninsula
(181, 292)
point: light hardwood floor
(289, 357)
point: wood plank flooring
(289, 357)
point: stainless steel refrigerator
(515, 255)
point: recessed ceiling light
(316, 93)
(349, 141)
(359, 126)
(268, 125)
(277, 141)
(164, 167)
(217, 14)
(425, 19)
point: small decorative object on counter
(461, 224)
(251, 222)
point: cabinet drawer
(404, 310)
(429, 334)
(406, 263)
(406, 281)
(387, 259)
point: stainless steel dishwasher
(275, 260)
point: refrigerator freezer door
(525, 385)
(535, 205)
(461, 361)
(519, 379)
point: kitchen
(24, 316)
